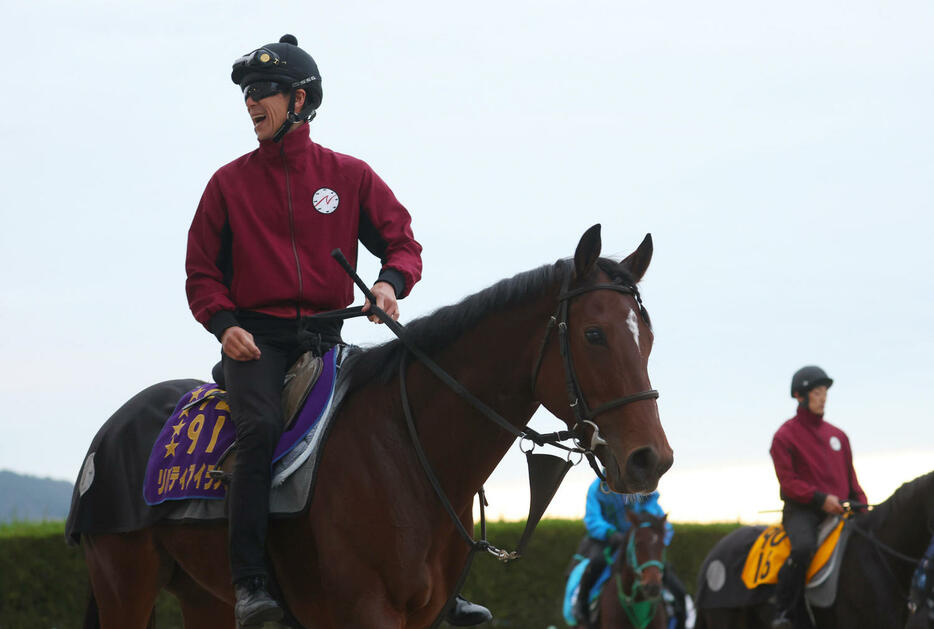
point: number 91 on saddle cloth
(772, 548)
(197, 441)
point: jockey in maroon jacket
(814, 465)
(259, 263)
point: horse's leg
(611, 614)
(127, 570)
(202, 553)
(200, 608)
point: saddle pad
(199, 431)
(772, 548)
(822, 588)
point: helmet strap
(289, 119)
(292, 118)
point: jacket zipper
(298, 266)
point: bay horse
(632, 598)
(876, 569)
(376, 549)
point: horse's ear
(632, 517)
(638, 261)
(588, 251)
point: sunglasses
(264, 89)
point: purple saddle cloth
(199, 431)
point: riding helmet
(807, 378)
(283, 62)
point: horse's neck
(905, 527)
(494, 362)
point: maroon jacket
(263, 233)
(812, 459)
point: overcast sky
(779, 153)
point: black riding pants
(592, 549)
(801, 524)
(254, 390)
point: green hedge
(43, 582)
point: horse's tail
(92, 618)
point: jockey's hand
(386, 299)
(832, 505)
(238, 344)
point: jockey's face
(817, 398)
(269, 113)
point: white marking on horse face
(632, 322)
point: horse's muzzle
(645, 466)
(652, 590)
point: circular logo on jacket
(325, 200)
(835, 444)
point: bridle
(640, 613)
(582, 411)
(583, 414)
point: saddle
(772, 548)
(195, 452)
(299, 380)
(754, 554)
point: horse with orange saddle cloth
(859, 578)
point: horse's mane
(907, 494)
(439, 329)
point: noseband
(583, 414)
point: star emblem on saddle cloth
(170, 448)
(177, 428)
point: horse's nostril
(642, 463)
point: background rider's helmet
(807, 378)
(283, 62)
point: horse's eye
(595, 336)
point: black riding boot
(254, 605)
(583, 592)
(788, 594)
(466, 614)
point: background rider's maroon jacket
(812, 459)
(263, 233)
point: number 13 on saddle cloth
(772, 548)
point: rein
(879, 546)
(582, 412)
